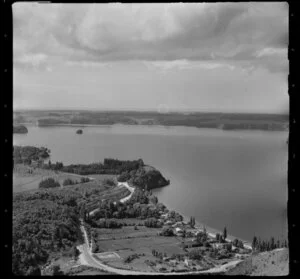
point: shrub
(152, 223)
(130, 258)
(49, 183)
(167, 232)
(123, 177)
(238, 243)
(68, 181)
(153, 199)
(84, 179)
(195, 254)
(109, 182)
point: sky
(216, 57)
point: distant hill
(226, 121)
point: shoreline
(219, 126)
(210, 231)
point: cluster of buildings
(183, 229)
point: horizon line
(143, 110)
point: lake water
(236, 179)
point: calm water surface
(232, 178)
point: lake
(236, 179)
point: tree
(56, 270)
(201, 237)
(273, 246)
(238, 243)
(192, 222)
(218, 237)
(225, 233)
(75, 252)
(49, 183)
(278, 244)
(254, 243)
(33, 271)
(153, 199)
(167, 232)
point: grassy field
(27, 178)
(127, 241)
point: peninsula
(20, 129)
(108, 222)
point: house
(188, 262)
(222, 245)
(180, 223)
(178, 230)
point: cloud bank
(182, 36)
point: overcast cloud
(163, 37)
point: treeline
(109, 214)
(19, 129)
(52, 183)
(255, 126)
(44, 223)
(109, 166)
(137, 207)
(69, 181)
(144, 177)
(49, 183)
(27, 154)
(134, 171)
(267, 245)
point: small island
(19, 129)
(79, 132)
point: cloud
(165, 66)
(88, 64)
(35, 61)
(207, 32)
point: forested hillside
(45, 223)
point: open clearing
(28, 178)
(128, 241)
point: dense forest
(44, 223)
(28, 154)
(20, 129)
(109, 166)
(144, 177)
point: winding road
(86, 256)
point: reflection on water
(232, 178)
